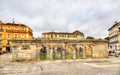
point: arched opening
(43, 50)
(69, 53)
(58, 53)
(8, 49)
(43, 54)
(80, 53)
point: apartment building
(114, 36)
(10, 31)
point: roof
(116, 23)
(14, 24)
(75, 32)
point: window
(15, 36)
(61, 35)
(0, 35)
(1, 28)
(0, 42)
(8, 36)
(55, 35)
(8, 29)
(26, 35)
(16, 29)
(22, 29)
(69, 36)
(22, 36)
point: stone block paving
(64, 67)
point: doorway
(8, 49)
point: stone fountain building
(49, 49)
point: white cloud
(92, 17)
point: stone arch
(58, 53)
(81, 49)
(43, 49)
(69, 52)
(59, 50)
(43, 52)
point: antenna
(13, 21)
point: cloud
(92, 17)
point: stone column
(51, 53)
(84, 53)
(74, 54)
(63, 54)
(38, 54)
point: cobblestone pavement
(108, 66)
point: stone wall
(40, 49)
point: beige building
(114, 36)
(63, 35)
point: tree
(90, 37)
(107, 38)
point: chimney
(115, 22)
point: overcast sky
(92, 17)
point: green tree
(107, 38)
(90, 37)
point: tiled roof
(116, 23)
(78, 32)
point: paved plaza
(106, 66)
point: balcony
(15, 31)
(116, 35)
(29, 32)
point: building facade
(10, 31)
(114, 36)
(58, 49)
(63, 35)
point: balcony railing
(29, 32)
(18, 31)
